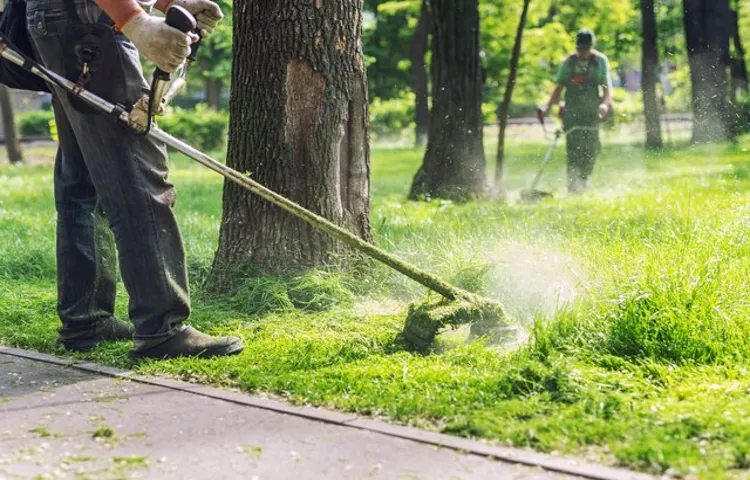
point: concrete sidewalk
(62, 422)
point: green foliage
(680, 100)
(548, 39)
(742, 107)
(53, 131)
(215, 53)
(35, 122)
(743, 10)
(386, 44)
(391, 118)
(204, 128)
(628, 107)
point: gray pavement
(60, 422)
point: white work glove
(207, 14)
(603, 111)
(167, 47)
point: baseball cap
(585, 39)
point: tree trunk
(650, 68)
(12, 143)
(299, 125)
(707, 30)
(454, 163)
(738, 65)
(419, 72)
(507, 99)
(213, 89)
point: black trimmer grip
(179, 18)
(182, 20)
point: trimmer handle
(182, 20)
(540, 113)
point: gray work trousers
(112, 195)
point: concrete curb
(570, 466)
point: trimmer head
(533, 196)
(426, 319)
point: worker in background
(585, 77)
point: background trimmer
(532, 194)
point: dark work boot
(577, 186)
(189, 343)
(109, 330)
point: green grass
(43, 432)
(636, 297)
(103, 432)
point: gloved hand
(541, 112)
(207, 13)
(603, 111)
(167, 47)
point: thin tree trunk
(650, 68)
(213, 88)
(508, 98)
(12, 143)
(299, 125)
(419, 72)
(738, 67)
(707, 30)
(454, 163)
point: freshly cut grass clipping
(425, 319)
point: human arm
(562, 79)
(120, 11)
(606, 103)
(167, 47)
(605, 81)
(553, 99)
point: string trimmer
(532, 194)
(424, 321)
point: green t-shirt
(600, 74)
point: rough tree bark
(707, 30)
(419, 73)
(650, 68)
(504, 110)
(299, 125)
(12, 143)
(454, 163)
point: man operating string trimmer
(108, 176)
(582, 75)
(159, 312)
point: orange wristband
(129, 17)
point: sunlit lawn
(636, 297)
